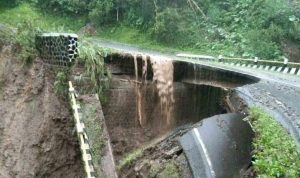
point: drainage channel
(151, 97)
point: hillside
(265, 28)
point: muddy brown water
(140, 110)
(127, 131)
(151, 99)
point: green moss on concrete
(94, 132)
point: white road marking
(205, 152)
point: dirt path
(36, 138)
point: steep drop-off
(36, 137)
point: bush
(92, 57)
(166, 27)
(7, 35)
(26, 35)
(100, 11)
(261, 43)
(69, 7)
(276, 154)
(10, 3)
(61, 84)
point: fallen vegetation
(92, 56)
(276, 154)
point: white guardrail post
(83, 139)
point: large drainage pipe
(219, 146)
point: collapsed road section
(153, 101)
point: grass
(130, 158)
(276, 154)
(14, 16)
(133, 36)
(28, 21)
(170, 170)
(154, 170)
(24, 12)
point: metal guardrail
(256, 63)
(259, 61)
(83, 138)
(193, 56)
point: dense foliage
(235, 27)
(232, 27)
(276, 154)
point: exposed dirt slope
(36, 138)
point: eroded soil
(160, 159)
(36, 130)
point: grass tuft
(170, 170)
(130, 158)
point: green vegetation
(245, 28)
(134, 36)
(22, 23)
(6, 35)
(276, 154)
(44, 22)
(61, 84)
(232, 27)
(170, 170)
(94, 132)
(26, 39)
(92, 57)
(154, 170)
(161, 170)
(130, 158)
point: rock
(174, 151)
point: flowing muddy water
(145, 102)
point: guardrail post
(255, 63)
(285, 60)
(220, 58)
